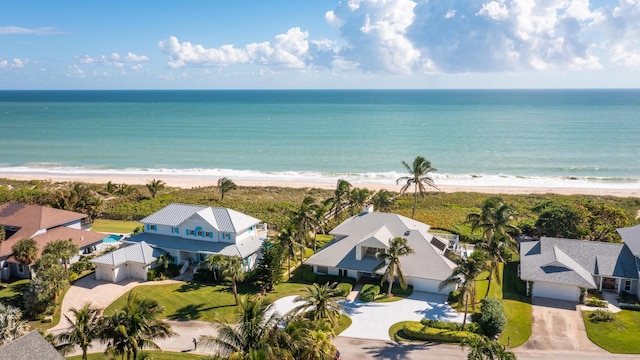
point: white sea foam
(381, 178)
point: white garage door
(104, 273)
(556, 291)
(427, 285)
(120, 273)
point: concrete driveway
(558, 325)
(373, 320)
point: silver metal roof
(242, 248)
(221, 219)
(140, 252)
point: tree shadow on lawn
(191, 286)
(395, 350)
(193, 311)
(17, 300)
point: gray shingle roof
(575, 262)
(631, 237)
(222, 219)
(242, 248)
(139, 252)
(29, 347)
(427, 261)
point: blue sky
(332, 44)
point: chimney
(367, 208)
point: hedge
(369, 292)
(344, 289)
(417, 331)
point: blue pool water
(111, 239)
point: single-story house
(359, 238)
(28, 347)
(131, 261)
(564, 268)
(44, 225)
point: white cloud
(16, 30)
(75, 71)
(131, 57)
(15, 63)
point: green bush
(369, 292)
(601, 316)
(595, 302)
(344, 289)
(417, 331)
(454, 297)
(396, 289)
(492, 319)
(323, 279)
(80, 266)
(73, 276)
(308, 275)
(471, 327)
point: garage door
(427, 285)
(556, 291)
(104, 273)
(120, 273)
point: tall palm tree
(418, 177)
(63, 250)
(391, 259)
(498, 251)
(233, 269)
(303, 218)
(464, 276)
(320, 302)
(494, 222)
(154, 186)
(134, 327)
(357, 198)
(382, 200)
(319, 221)
(340, 195)
(225, 185)
(165, 260)
(288, 240)
(253, 332)
(25, 251)
(84, 328)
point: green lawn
(619, 336)
(114, 226)
(155, 355)
(11, 291)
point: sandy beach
(187, 182)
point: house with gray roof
(28, 347)
(564, 268)
(192, 232)
(359, 238)
(130, 261)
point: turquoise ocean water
(473, 137)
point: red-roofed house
(43, 224)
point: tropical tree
(253, 333)
(357, 199)
(64, 250)
(288, 240)
(304, 218)
(269, 270)
(134, 327)
(340, 197)
(391, 259)
(320, 302)
(481, 348)
(165, 260)
(382, 200)
(464, 276)
(110, 187)
(49, 270)
(233, 268)
(418, 177)
(85, 327)
(307, 339)
(25, 251)
(213, 262)
(125, 190)
(154, 186)
(3, 236)
(494, 221)
(12, 325)
(319, 221)
(225, 185)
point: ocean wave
(381, 178)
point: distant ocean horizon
(529, 138)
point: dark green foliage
(472, 327)
(269, 271)
(454, 297)
(159, 272)
(396, 289)
(80, 266)
(417, 331)
(564, 220)
(344, 289)
(601, 315)
(369, 292)
(38, 298)
(492, 319)
(308, 275)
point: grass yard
(11, 291)
(619, 336)
(114, 226)
(155, 355)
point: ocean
(532, 138)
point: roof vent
(406, 233)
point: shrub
(80, 266)
(396, 289)
(454, 297)
(308, 275)
(436, 324)
(601, 316)
(73, 276)
(632, 307)
(417, 331)
(595, 302)
(369, 292)
(492, 318)
(344, 289)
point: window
(627, 285)
(200, 232)
(21, 268)
(175, 230)
(343, 272)
(322, 269)
(191, 232)
(153, 227)
(207, 234)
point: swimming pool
(111, 239)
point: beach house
(359, 238)
(44, 225)
(565, 268)
(191, 232)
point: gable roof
(426, 262)
(221, 219)
(141, 253)
(574, 262)
(242, 248)
(28, 347)
(631, 237)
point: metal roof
(242, 248)
(221, 219)
(139, 252)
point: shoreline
(187, 182)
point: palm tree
(357, 198)
(63, 250)
(253, 333)
(382, 200)
(3, 236)
(464, 275)
(165, 260)
(418, 177)
(110, 188)
(340, 194)
(494, 222)
(288, 240)
(304, 218)
(212, 263)
(481, 348)
(320, 302)
(84, 329)
(25, 251)
(11, 324)
(154, 186)
(233, 269)
(134, 327)
(391, 259)
(225, 185)
(319, 220)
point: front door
(609, 284)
